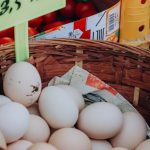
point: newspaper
(93, 89)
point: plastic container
(138, 10)
(136, 30)
(136, 17)
(135, 22)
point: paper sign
(14, 12)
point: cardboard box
(102, 26)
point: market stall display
(71, 94)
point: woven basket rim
(78, 42)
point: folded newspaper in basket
(93, 89)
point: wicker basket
(125, 68)
(145, 45)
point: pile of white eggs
(57, 118)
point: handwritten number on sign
(18, 3)
(4, 7)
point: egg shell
(3, 145)
(144, 145)
(34, 109)
(42, 146)
(133, 132)
(19, 145)
(100, 120)
(57, 108)
(38, 130)
(4, 100)
(120, 148)
(75, 94)
(22, 83)
(101, 145)
(14, 121)
(70, 139)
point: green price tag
(18, 12)
(14, 12)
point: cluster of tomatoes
(74, 10)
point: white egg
(4, 100)
(101, 145)
(3, 145)
(144, 145)
(19, 145)
(22, 83)
(42, 146)
(100, 120)
(34, 109)
(14, 121)
(75, 94)
(38, 130)
(70, 139)
(133, 132)
(57, 108)
(120, 148)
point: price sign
(18, 12)
(14, 12)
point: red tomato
(5, 40)
(32, 31)
(69, 10)
(84, 8)
(51, 17)
(89, 13)
(7, 33)
(36, 22)
(53, 25)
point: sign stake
(21, 42)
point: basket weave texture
(125, 68)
